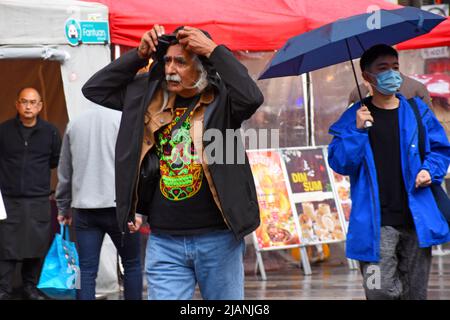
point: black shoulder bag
(440, 196)
(150, 175)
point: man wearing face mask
(394, 220)
(201, 209)
(409, 88)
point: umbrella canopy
(346, 39)
(438, 84)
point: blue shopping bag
(60, 276)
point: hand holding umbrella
(362, 117)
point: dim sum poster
(278, 226)
(307, 170)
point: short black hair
(371, 54)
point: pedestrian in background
(29, 149)
(86, 186)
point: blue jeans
(90, 227)
(175, 264)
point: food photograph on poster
(278, 228)
(319, 221)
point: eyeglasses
(25, 102)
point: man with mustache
(202, 207)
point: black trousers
(31, 269)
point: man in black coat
(29, 148)
(195, 93)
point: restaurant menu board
(307, 170)
(342, 184)
(278, 227)
(312, 196)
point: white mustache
(173, 77)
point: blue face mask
(388, 82)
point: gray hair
(202, 82)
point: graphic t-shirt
(183, 205)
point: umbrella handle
(368, 124)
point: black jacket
(236, 98)
(25, 165)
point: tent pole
(309, 117)
(311, 109)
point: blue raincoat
(350, 154)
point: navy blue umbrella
(347, 39)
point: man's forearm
(63, 192)
(107, 86)
(63, 196)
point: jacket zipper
(24, 159)
(132, 206)
(23, 167)
(407, 156)
(204, 172)
(416, 133)
(137, 175)
(205, 121)
(372, 193)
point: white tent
(34, 30)
(34, 51)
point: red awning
(438, 37)
(256, 25)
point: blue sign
(73, 32)
(87, 32)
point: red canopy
(256, 25)
(438, 37)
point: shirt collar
(206, 98)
